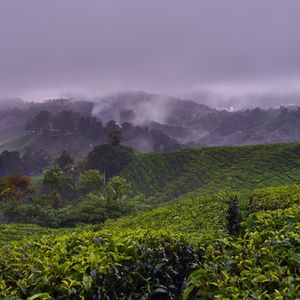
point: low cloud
(56, 48)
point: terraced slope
(163, 177)
(272, 198)
(19, 232)
(198, 218)
(150, 256)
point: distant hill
(15, 113)
(142, 108)
(176, 123)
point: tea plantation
(163, 177)
(174, 251)
(179, 250)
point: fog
(217, 52)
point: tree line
(73, 123)
(70, 192)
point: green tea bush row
(208, 170)
(18, 232)
(196, 217)
(275, 197)
(263, 263)
(97, 265)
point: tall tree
(91, 181)
(64, 160)
(115, 138)
(109, 159)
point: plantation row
(263, 263)
(163, 177)
(99, 265)
(197, 218)
(172, 251)
(18, 232)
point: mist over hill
(148, 122)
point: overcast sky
(54, 47)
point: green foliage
(96, 208)
(92, 265)
(91, 181)
(109, 159)
(64, 160)
(37, 214)
(37, 182)
(197, 218)
(275, 197)
(233, 216)
(208, 170)
(91, 210)
(54, 179)
(18, 232)
(261, 264)
(150, 256)
(117, 189)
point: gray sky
(55, 47)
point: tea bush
(164, 176)
(263, 263)
(19, 232)
(97, 265)
(196, 217)
(275, 197)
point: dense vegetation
(263, 263)
(239, 243)
(96, 265)
(208, 170)
(18, 232)
(197, 218)
(61, 199)
(275, 197)
(158, 255)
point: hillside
(165, 176)
(13, 116)
(76, 145)
(167, 253)
(196, 217)
(153, 122)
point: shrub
(233, 216)
(97, 265)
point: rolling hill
(184, 123)
(167, 253)
(165, 176)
